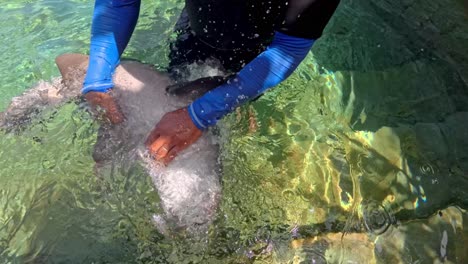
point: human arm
(112, 26)
(271, 67)
(180, 128)
(303, 22)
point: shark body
(189, 187)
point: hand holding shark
(107, 103)
(174, 133)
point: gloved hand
(174, 133)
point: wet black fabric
(236, 31)
(188, 49)
(227, 24)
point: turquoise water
(361, 156)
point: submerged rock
(438, 239)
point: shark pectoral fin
(197, 87)
(72, 66)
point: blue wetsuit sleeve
(268, 69)
(112, 26)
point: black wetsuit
(236, 31)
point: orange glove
(174, 133)
(108, 104)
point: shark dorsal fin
(71, 63)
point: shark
(189, 187)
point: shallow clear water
(360, 157)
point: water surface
(361, 156)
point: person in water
(262, 41)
